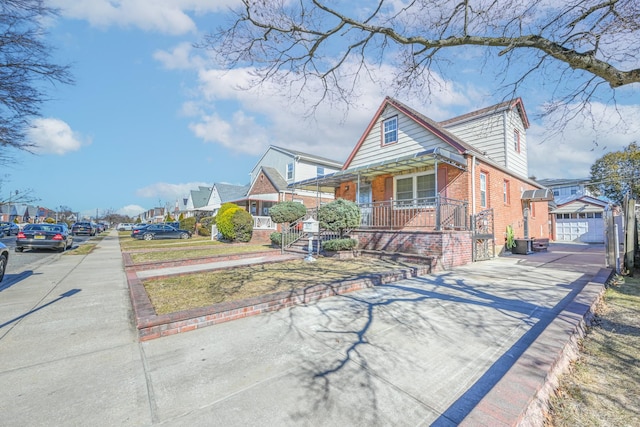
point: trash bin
(523, 247)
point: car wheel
(19, 249)
(184, 235)
(148, 237)
(3, 266)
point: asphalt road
(21, 262)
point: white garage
(580, 220)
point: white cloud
(264, 115)
(168, 193)
(164, 16)
(584, 140)
(181, 57)
(54, 136)
(131, 210)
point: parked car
(4, 259)
(160, 231)
(44, 236)
(9, 228)
(84, 228)
(124, 226)
(99, 227)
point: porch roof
(327, 183)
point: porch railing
(263, 223)
(431, 213)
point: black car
(160, 231)
(84, 228)
(44, 236)
(4, 258)
(8, 228)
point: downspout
(437, 193)
(473, 185)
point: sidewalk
(471, 346)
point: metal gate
(483, 236)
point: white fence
(263, 223)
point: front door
(364, 200)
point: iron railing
(431, 213)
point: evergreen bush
(339, 215)
(242, 224)
(340, 244)
(286, 212)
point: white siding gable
(412, 139)
(493, 136)
(274, 159)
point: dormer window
(390, 131)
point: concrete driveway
(433, 350)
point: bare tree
(24, 64)
(586, 47)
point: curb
(151, 325)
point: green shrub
(188, 223)
(181, 217)
(225, 226)
(50, 220)
(243, 225)
(339, 215)
(339, 244)
(276, 238)
(286, 212)
(204, 231)
(223, 209)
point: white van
(124, 226)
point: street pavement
(470, 346)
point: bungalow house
(446, 189)
(223, 193)
(276, 170)
(195, 201)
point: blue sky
(151, 118)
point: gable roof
(278, 182)
(305, 156)
(459, 145)
(230, 192)
(503, 106)
(200, 197)
(580, 204)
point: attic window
(390, 131)
(516, 140)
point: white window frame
(386, 132)
(289, 171)
(414, 187)
(483, 189)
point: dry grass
(83, 249)
(178, 293)
(128, 243)
(205, 251)
(603, 386)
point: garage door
(585, 230)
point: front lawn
(191, 253)
(178, 293)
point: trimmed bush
(188, 223)
(339, 215)
(276, 238)
(243, 225)
(339, 245)
(225, 207)
(235, 224)
(204, 231)
(286, 212)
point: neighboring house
(197, 199)
(153, 215)
(277, 169)
(417, 181)
(578, 219)
(223, 193)
(567, 187)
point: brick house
(445, 189)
